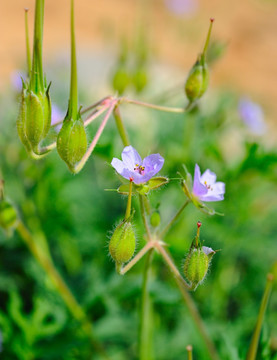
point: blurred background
(144, 49)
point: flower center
(139, 168)
(208, 186)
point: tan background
(250, 27)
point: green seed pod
(72, 142)
(8, 215)
(123, 242)
(140, 79)
(34, 119)
(121, 80)
(197, 81)
(196, 265)
(155, 219)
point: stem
(143, 215)
(73, 102)
(252, 352)
(95, 140)
(152, 106)
(198, 320)
(120, 126)
(2, 190)
(36, 81)
(208, 37)
(28, 51)
(139, 255)
(145, 314)
(47, 264)
(171, 265)
(189, 350)
(175, 217)
(95, 115)
(97, 103)
(129, 202)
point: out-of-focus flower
(16, 80)
(182, 7)
(56, 117)
(134, 169)
(252, 115)
(205, 187)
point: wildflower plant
(139, 178)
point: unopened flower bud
(197, 81)
(155, 218)
(8, 215)
(72, 142)
(198, 78)
(123, 242)
(121, 80)
(140, 79)
(34, 119)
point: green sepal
(143, 189)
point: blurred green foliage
(76, 216)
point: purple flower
(252, 115)
(134, 169)
(16, 80)
(181, 7)
(205, 186)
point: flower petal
(212, 197)
(209, 177)
(219, 188)
(118, 165)
(130, 157)
(153, 163)
(198, 188)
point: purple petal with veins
(132, 167)
(205, 187)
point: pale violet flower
(56, 117)
(133, 168)
(182, 7)
(16, 80)
(252, 115)
(205, 187)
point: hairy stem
(145, 313)
(28, 51)
(152, 106)
(139, 255)
(129, 202)
(85, 158)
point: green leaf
(157, 182)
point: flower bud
(34, 119)
(197, 81)
(123, 242)
(140, 79)
(8, 215)
(121, 80)
(72, 142)
(155, 218)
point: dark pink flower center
(139, 168)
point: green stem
(145, 313)
(1, 189)
(73, 102)
(252, 352)
(189, 350)
(36, 81)
(28, 51)
(197, 320)
(139, 255)
(129, 202)
(120, 126)
(47, 264)
(152, 106)
(143, 215)
(175, 218)
(208, 38)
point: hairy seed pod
(72, 142)
(196, 265)
(34, 119)
(8, 215)
(123, 242)
(197, 81)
